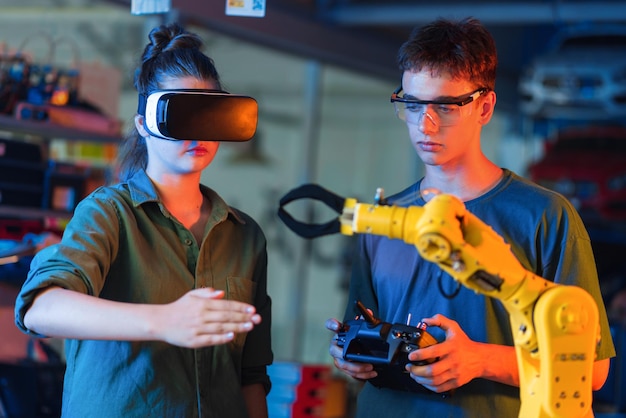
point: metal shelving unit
(44, 132)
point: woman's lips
(198, 151)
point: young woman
(158, 286)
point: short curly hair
(463, 49)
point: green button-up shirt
(122, 244)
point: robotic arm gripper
(555, 327)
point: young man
(447, 96)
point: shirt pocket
(240, 289)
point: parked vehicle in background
(588, 166)
(581, 76)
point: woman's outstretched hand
(202, 317)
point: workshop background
(322, 73)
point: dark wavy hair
(463, 49)
(172, 52)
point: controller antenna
(367, 315)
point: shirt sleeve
(79, 262)
(577, 267)
(253, 375)
(257, 351)
(560, 250)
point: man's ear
(140, 127)
(487, 106)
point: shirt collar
(143, 191)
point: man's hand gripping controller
(367, 339)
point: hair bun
(166, 38)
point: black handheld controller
(367, 339)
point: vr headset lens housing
(200, 115)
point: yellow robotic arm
(555, 327)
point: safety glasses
(440, 112)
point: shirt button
(188, 242)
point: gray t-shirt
(548, 238)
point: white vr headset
(199, 115)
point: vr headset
(199, 115)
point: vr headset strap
(141, 104)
